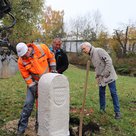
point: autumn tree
(102, 40)
(116, 49)
(27, 14)
(52, 24)
(86, 27)
(122, 38)
(126, 39)
(132, 39)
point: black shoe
(117, 115)
(20, 133)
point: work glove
(53, 69)
(33, 89)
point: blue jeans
(113, 91)
(26, 112)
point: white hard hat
(21, 49)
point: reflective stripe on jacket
(33, 67)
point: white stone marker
(53, 105)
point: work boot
(117, 115)
(20, 133)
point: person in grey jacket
(105, 75)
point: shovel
(84, 98)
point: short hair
(86, 44)
(57, 39)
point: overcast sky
(113, 12)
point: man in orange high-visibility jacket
(33, 62)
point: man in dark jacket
(60, 56)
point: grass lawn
(12, 95)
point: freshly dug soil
(88, 129)
(11, 126)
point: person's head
(86, 47)
(23, 50)
(57, 43)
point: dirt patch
(88, 129)
(11, 126)
(133, 102)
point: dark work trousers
(26, 112)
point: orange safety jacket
(34, 67)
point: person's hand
(98, 80)
(59, 71)
(54, 71)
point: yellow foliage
(52, 24)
